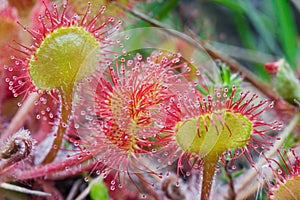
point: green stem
(66, 99)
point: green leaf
(290, 141)
(202, 90)
(164, 9)
(157, 10)
(244, 31)
(225, 74)
(237, 173)
(232, 5)
(99, 191)
(243, 14)
(255, 18)
(287, 30)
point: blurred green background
(251, 31)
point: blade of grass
(247, 38)
(255, 18)
(242, 11)
(163, 9)
(232, 5)
(244, 31)
(157, 10)
(287, 30)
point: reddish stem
(44, 170)
(66, 99)
(209, 168)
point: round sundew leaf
(213, 133)
(186, 135)
(237, 133)
(66, 55)
(288, 190)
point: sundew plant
(149, 99)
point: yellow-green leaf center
(213, 133)
(66, 55)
